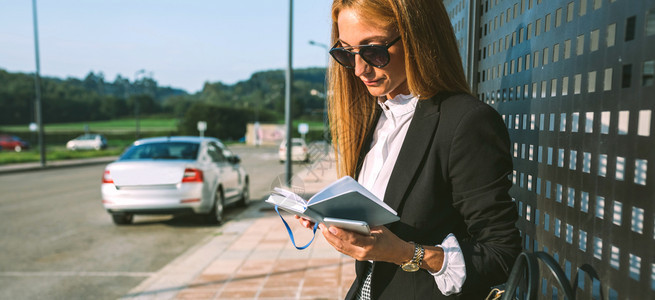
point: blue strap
(291, 233)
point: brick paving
(263, 264)
(252, 257)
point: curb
(30, 167)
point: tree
(223, 122)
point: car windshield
(163, 150)
(85, 137)
(294, 143)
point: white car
(170, 175)
(299, 150)
(87, 142)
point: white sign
(303, 128)
(202, 125)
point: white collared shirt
(388, 137)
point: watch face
(410, 267)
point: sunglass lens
(343, 57)
(376, 56)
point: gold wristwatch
(415, 263)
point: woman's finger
(304, 222)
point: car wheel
(215, 216)
(122, 218)
(18, 148)
(245, 194)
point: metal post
(473, 43)
(325, 99)
(37, 87)
(287, 97)
(136, 103)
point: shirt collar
(399, 105)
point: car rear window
(164, 150)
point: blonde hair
(432, 65)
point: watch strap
(415, 263)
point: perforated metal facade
(574, 82)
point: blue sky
(183, 43)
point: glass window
(627, 76)
(215, 152)
(650, 22)
(579, 49)
(594, 40)
(630, 28)
(583, 7)
(648, 73)
(611, 34)
(569, 12)
(547, 23)
(162, 150)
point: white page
(287, 199)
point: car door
(226, 174)
(86, 142)
(236, 167)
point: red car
(11, 142)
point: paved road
(59, 243)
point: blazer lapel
(419, 137)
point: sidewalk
(251, 257)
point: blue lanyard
(291, 233)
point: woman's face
(355, 30)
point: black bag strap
(527, 266)
(557, 272)
(592, 274)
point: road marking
(77, 274)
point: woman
(405, 126)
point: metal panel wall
(574, 82)
(460, 13)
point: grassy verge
(10, 157)
(165, 125)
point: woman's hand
(381, 245)
(305, 222)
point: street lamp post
(287, 96)
(136, 102)
(37, 87)
(327, 64)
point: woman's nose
(361, 67)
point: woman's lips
(371, 82)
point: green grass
(167, 125)
(54, 153)
(57, 151)
(116, 146)
(313, 125)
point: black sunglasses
(374, 55)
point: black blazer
(451, 176)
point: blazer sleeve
(479, 167)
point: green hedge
(59, 138)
